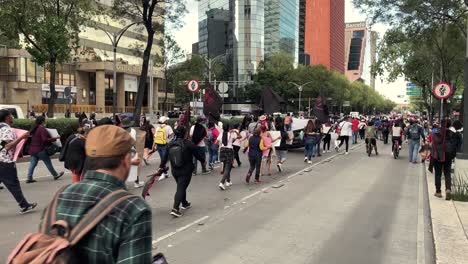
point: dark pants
(236, 154)
(385, 137)
(255, 163)
(202, 152)
(9, 178)
(180, 196)
(326, 142)
(35, 160)
(344, 139)
(446, 167)
(227, 157)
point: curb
(450, 240)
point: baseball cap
(108, 141)
(163, 119)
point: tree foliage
(278, 73)
(50, 29)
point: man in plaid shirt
(123, 236)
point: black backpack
(176, 153)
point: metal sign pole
(441, 110)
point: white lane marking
(421, 254)
(178, 230)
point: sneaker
(185, 207)
(319, 155)
(438, 194)
(309, 161)
(166, 175)
(59, 175)
(415, 162)
(376, 153)
(346, 153)
(239, 164)
(138, 184)
(337, 149)
(31, 181)
(228, 184)
(221, 186)
(1, 187)
(247, 178)
(28, 208)
(448, 195)
(305, 159)
(280, 169)
(206, 172)
(176, 213)
(258, 181)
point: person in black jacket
(183, 174)
(74, 155)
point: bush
(64, 126)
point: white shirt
(396, 131)
(202, 142)
(325, 129)
(346, 128)
(231, 138)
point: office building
(281, 27)
(89, 75)
(321, 25)
(360, 52)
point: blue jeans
(317, 147)
(161, 150)
(213, 153)
(309, 149)
(355, 136)
(35, 160)
(413, 150)
(202, 151)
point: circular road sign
(223, 87)
(193, 86)
(442, 90)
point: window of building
(30, 71)
(109, 90)
(3, 69)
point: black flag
(213, 102)
(271, 102)
(321, 109)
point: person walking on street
(255, 156)
(385, 130)
(226, 154)
(362, 129)
(127, 232)
(40, 139)
(74, 155)
(310, 140)
(318, 141)
(345, 133)
(282, 150)
(198, 134)
(237, 143)
(326, 129)
(414, 135)
(8, 171)
(149, 141)
(444, 149)
(180, 154)
(162, 136)
(355, 128)
(212, 145)
(371, 137)
(267, 148)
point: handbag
(51, 149)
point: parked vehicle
(15, 110)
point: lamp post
(115, 38)
(209, 62)
(300, 88)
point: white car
(15, 110)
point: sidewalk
(449, 226)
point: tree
(50, 29)
(152, 14)
(181, 72)
(171, 54)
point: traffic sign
(442, 90)
(410, 84)
(193, 86)
(413, 93)
(223, 87)
(413, 88)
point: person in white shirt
(163, 135)
(198, 134)
(346, 131)
(326, 130)
(225, 141)
(237, 143)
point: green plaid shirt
(124, 236)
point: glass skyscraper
(281, 27)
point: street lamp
(115, 38)
(210, 62)
(300, 88)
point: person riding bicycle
(371, 136)
(397, 132)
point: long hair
(225, 134)
(310, 126)
(39, 121)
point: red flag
(213, 102)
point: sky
(188, 34)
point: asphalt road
(341, 209)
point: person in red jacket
(355, 129)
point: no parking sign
(193, 86)
(442, 90)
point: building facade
(322, 25)
(282, 27)
(89, 76)
(360, 52)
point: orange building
(324, 33)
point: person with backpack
(362, 128)
(237, 143)
(96, 220)
(211, 144)
(255, 156)
(414, 134)
(39, 141)
(385, 130)
(8, 171)
(226, 154)
(162, 136)
(73, 154)
(198, 134)
(180, 154)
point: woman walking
(40, 139)
(149, 141)
(267, 151)
(326, 129)
(255, 156)
(282, 150)
(74, 155)
(318, 137)
(345, 133)
(226, 156)
(310, 137)
(237, 143)
(212, 144)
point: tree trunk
(53, 94)
(143, 77)
(165, 95)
